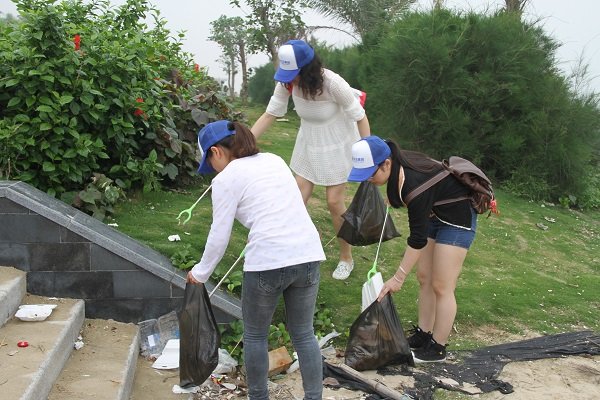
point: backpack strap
(454, 200)
(425, 185)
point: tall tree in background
(271, 23)
(362, 15)
(516, 6)
(230, 33)
(229, 66)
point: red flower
(77, 41)
(137, 112)
(139, 100)
(196, 67)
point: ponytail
(393, 194)
(242, 144)
(409, 159)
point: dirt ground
(573, 377)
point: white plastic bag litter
(226, 364)
(34, 312)
(169, 359)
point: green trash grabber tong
(373, 269)
(188, 211)
(374, 283)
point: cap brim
(361, 174)
(285, 75)
(205, 167)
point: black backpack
(482, 193)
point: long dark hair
(311, 79)
(409, 159)
(242, 144)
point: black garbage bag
(377, 339)
(199, 337)
(363, 220)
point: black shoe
(418, 338)
(431, 352)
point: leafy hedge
(88, 89)
(486, 87)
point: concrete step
(28, 373)
(12, 290)
(104, 367)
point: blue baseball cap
(367, 154)
(208, 136)
(293, 55)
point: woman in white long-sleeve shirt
(283, 252)
(331, 120)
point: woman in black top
(440, 235)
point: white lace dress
(323, 150)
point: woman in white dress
(331, 120)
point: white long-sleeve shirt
(260, 192)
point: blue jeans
(443, 233)
(261, 291)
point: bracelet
(396, 279)
(402, 269)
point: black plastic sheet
(364, 218)
(200, 338)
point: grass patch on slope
(517, 278)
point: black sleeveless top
(421, 208)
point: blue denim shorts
(444, 233)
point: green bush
(261, 84)
(87, 89)
(485, 87)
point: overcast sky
(574, 23)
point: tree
(362, 15)
(271, 23)
(231, 34)
(516, 6)
(485, 87)
(229, 66)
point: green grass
(517, 279)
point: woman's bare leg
(337, 206)
(447, 264)
(306, 188)
(427, 300)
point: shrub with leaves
(99, 196)
(485, 87)
(85, 88)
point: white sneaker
(343, 270)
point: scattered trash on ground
(174, 238)
(34, 312)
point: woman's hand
(191, 279)
(392, 285)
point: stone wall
(67, 253)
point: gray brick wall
(67, 253)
